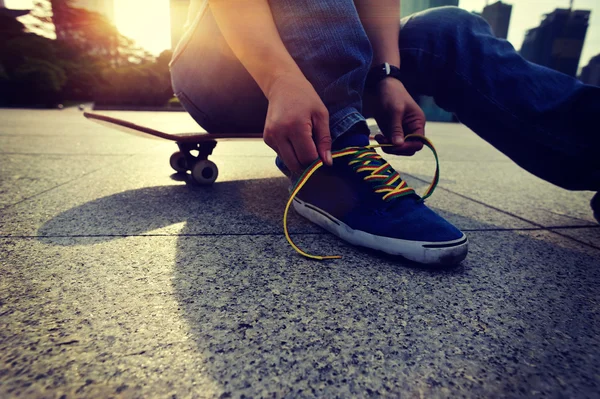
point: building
(558, 41)
(179, 12)
(590, 74)
(412, 6)
(498, 16)
(104, 7)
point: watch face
(379, 73)
(387, 69)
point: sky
(527, 14)
(149, 25)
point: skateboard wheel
(177, 162)
(205, 172)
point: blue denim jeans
(540, 118)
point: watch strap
(380, 72)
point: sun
(146, 22)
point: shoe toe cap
(418, 223)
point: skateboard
(203, 171)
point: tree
(91, 34)
(147, 84)
(32, 75)
(88, 58)
(29, 74)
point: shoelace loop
(365, 161)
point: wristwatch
(380, 72)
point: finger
(396, 151)
(408, 148)
(304, 147)
(288, 155)
(396, 133)
(381, 139)
(414, 143)
(322, 136)
(405, 149)
(414, 124)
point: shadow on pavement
(518, 316)
(238, 207)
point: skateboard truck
(203, 171)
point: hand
(397, 115)
(297, 125)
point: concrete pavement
(118, 281)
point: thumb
(396, 130)
(322, 137)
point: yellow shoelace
(365, 159)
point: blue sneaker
(363, 200)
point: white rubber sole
(448, 252)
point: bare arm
(396, 112)
(250, 31)
(381, 20)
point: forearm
(381, 20)
(250, 31)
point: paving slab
(472, 167)
(137, 195)
(226, 316)
(67, 132)
(589, 236)
(506, 187)
(24, 176)
(93, 141)
(122, 282)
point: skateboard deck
(138, 130)
(203, 171)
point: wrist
(278, 77)
(381, 74)
(393, 60)
(388, 82)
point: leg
(213, 86)
(328, 42)
(220, 94)
(538, 117)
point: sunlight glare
(148, 25)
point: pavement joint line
(535, 228)
(275, 234)
(126, 157)
(595, 226)
(63, 184)
(159, 235)
(508, 213)
(575, 239)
